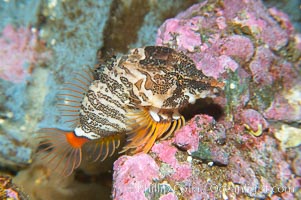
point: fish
(137, 96)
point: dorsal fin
(72, 94)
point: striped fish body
(139, 94)
(103, 109)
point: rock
(133, 176)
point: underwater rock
(13, 154)
(177, 171)
(24, 50)
(289, 136)
(296, 164)
(257, 22)
(21, 51)
(133, 175)
(67, 32)
(239, 165)
(10, 191)
(237, 42)
(242, 53)
(187, 138)
(254, 51)
(211, 138)
(283, 19)
(254, 121)
(127, 29)
(242, 174)
(285, 106)
(169, 196)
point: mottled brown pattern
(137, 96)
(155, 81)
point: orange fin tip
(62, 150)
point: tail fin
(63, 149)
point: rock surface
(243, 152)
(248, 147)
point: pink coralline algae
(284, 108)
(249, 18)
(190, 37)
(169, 196)
(212, 137)
(283, 19)
(254, 120)
(238, 44)
(234, 155)
(167, 154)
(133, 176)
(242, 173)
(187, 138)
(8, 190)
(254, 17)
(20, 49)
(242, 53)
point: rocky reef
(242, 152)
(242, 144)
(8, 190)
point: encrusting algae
(138, 96)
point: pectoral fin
(145, 131)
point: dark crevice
(9, 171)
(104, 178)
(203, 106)
(127, 17)
(123, 24)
